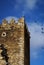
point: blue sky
(33, 10)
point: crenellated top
(4, 22)
(12, 23)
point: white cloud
(37, 37)
(27, 4)
(11, 17)
(30, 4)
(36, 40)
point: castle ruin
(14, 42)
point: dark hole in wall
(3, 34)
(4, 53)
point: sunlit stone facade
(14, 43)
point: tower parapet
(12, 24)
(4, 23)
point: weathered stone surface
(14, 37)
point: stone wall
(12, 38)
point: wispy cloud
(29, 4)
(37, 39)
(25, 5)
(11, 17)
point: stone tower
(14, 43)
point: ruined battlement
(12, 24)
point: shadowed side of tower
(26, 45)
